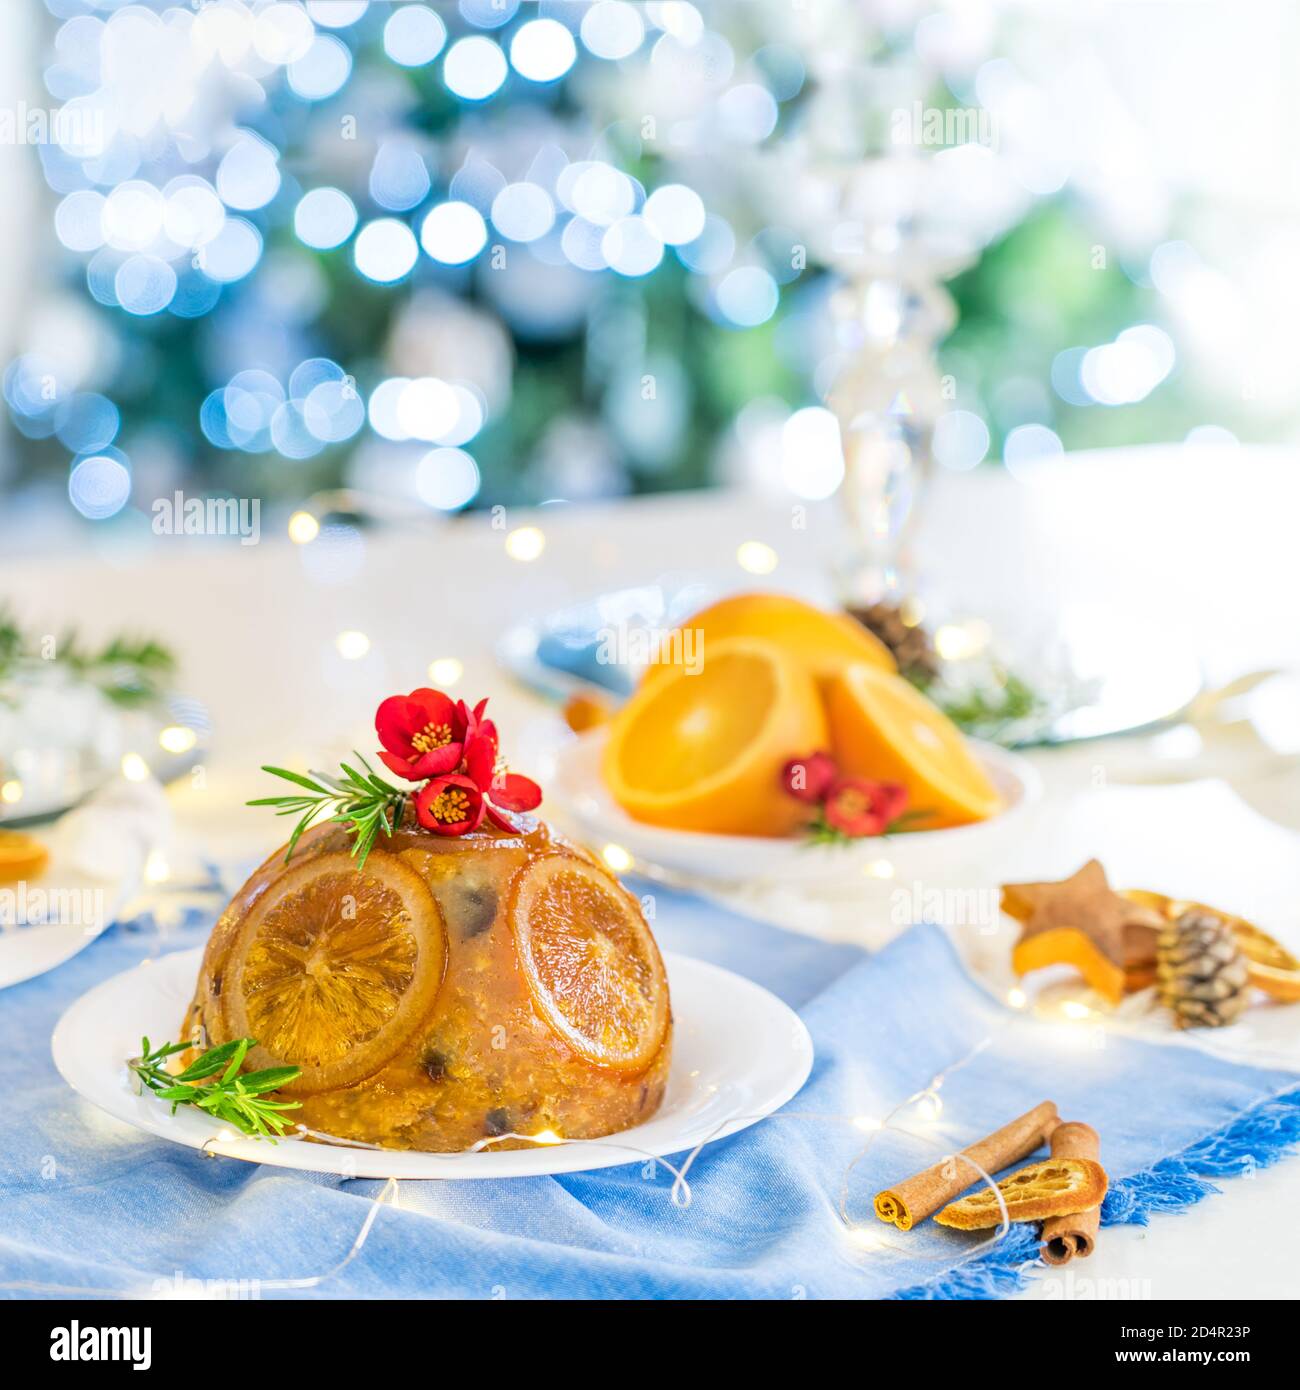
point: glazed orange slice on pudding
(591, 965)
(21, 856)
(881, 726)
(705, 751)
(334, 968)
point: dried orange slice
(881, 726)
(21, 856)
(1269, 965)
(334, 967)
(1051, 1187)
(591, 964)
(705, 751)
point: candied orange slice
(334, 967)
(21, 856)
(882, 727)
(591, 964)
(705, 751)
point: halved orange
(591, 964)
(822, 641)
(21, 856)
(881, 726)
(334, 967)
(705, 752)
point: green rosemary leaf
(296, 777)
(212, 1061)
(237, 1061)
(298, 831)
(176, 1093)
(237, 1099)
(268, 1079)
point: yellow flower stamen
(449, 806)
(430, 737)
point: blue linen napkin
(91, 1204)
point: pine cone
(909, 642)
(1202, 974)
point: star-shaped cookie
(1084, 902)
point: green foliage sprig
(129, 671)
(362, 801)
(1000, 708)
(237, 1098)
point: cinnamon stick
(922, 1195)
(1065, 1237)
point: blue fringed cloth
(92, 1205)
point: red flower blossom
(506, 791)
(423, 733)
(857, 806)
(809, 778)
(450, 805)
(427, 736)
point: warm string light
(176, 738)
(134, 767)
(525, 543)
(352, 645)
(863, 1234)
(756, 558)
(868, 1237)
(927, 1096)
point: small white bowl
(755, 860)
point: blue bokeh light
(414, 36)
(324, 218)
(99, 486)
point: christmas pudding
(441, 970)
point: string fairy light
(865, 1237)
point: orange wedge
(21, 856)
(823, 642)
(334, 968)
(592, 966)
(881, 726)
(705, 752)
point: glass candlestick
(887, 397)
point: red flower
(482, 747)
(810, 778)
(508, 791)
(857, 806)
(423, 733)
(450, 805)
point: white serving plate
(79, 907)
(926, 855)
(739, 1053)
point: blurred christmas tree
(452, 255)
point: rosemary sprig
(990, 708)
(129, 671)
(361, 800)
(238, 1099)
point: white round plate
(78, 908)
(574, 779)
(739, 1053)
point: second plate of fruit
(771, 739)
